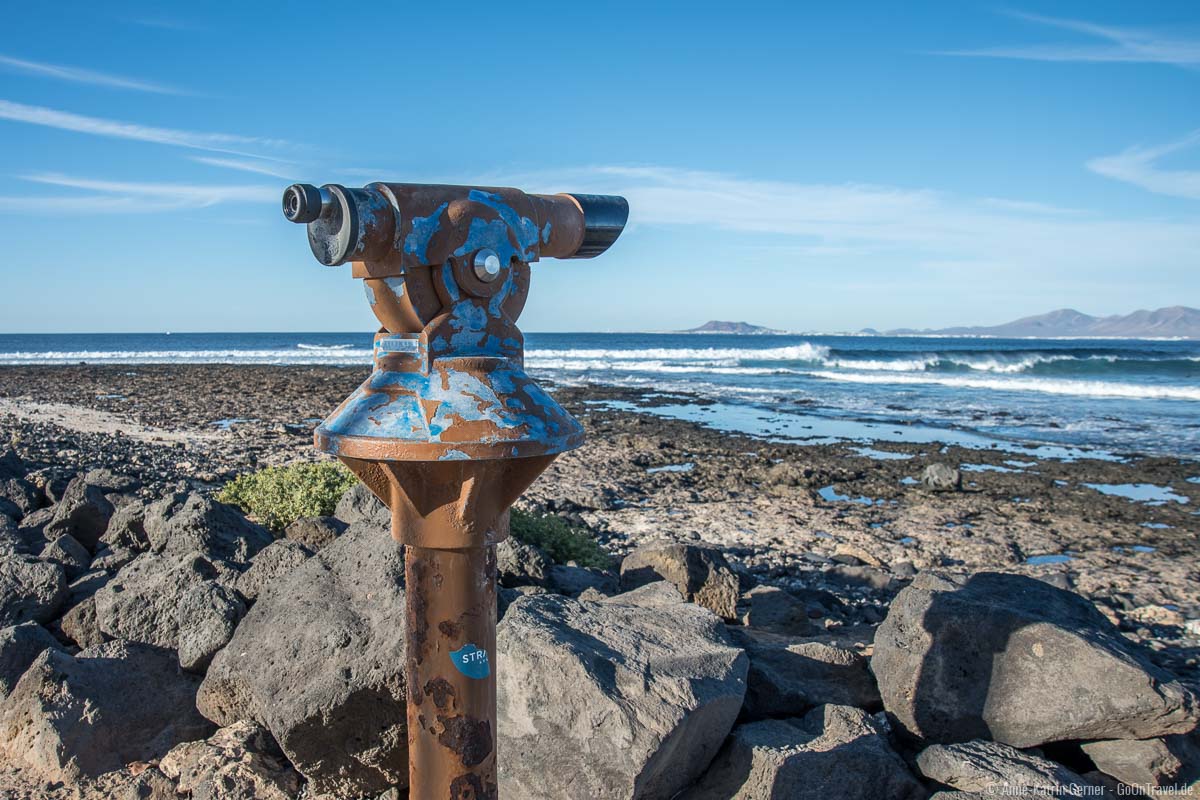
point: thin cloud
(129, 196)
(824, 225)
(913, 227)
(87, 76)
(1139, 166)
(278, 170)
(1119, 44)
(1030, 206)
(96, 126)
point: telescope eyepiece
(302, 203)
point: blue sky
(805, 166)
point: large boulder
(31, 529)
(11, 464)
(79, 623)
(87, 506)
(11, 542)
(994, 769)
(17, 497)
(833, 752)
(187, 523)
(141, 603)
(19, 646)
(51, 482)
(1015, 660)
(127, 528)
(612, 699)
(788, 676)
(207, 615)
(148, 784)
(573, 581)
(80, 626)
(69, 554)
(272, 562)
(110, 560)
(701, 573)
(15, 491)
(358, 505)
(520, 564)
(319, 662)
(83, 512)
(315, 533)
(769, 608)
(1172, 761)
(240, 762)
(71, 716)
(30, 590)
(9, 511)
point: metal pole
(451, 599)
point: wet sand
(847, 518)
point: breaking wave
(1047, 386)
(800, 352)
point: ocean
(1103, 396)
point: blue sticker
(471, 661)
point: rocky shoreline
(790, 608)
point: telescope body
(449, 430)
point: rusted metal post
(448, 430)
(452, 714)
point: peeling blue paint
(517, 410)
(451, 284)
(495, 233)
(370, 293)
(492, 234)
(423, 229)
(368, 204)
(496, 304)
(396, 284)
(546, 233)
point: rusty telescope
(448, 430)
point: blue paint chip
(471, 661)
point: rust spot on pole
(470, 739)
(470, 787)
(441, 691)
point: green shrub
(278, 496)
(558, 539)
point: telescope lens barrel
(604, 217)
(360, 224)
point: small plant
(278, 496)
(558, 540)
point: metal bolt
(487, 265)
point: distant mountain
(1174, 322)
(718, 326)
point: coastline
(845, 517)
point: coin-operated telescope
(449, 430)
